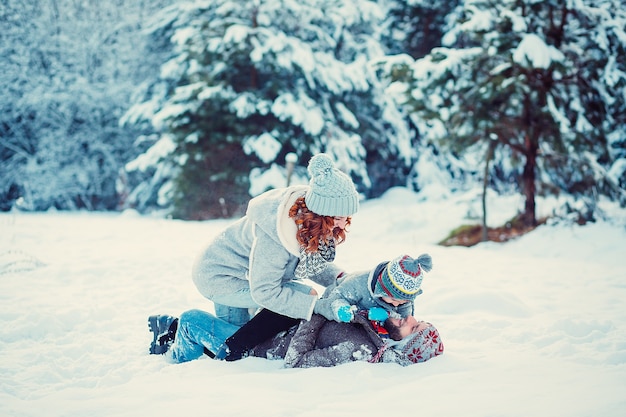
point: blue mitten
(377, 314)
(345, 314)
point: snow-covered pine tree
(250, 81)
(67, 68)
(543, 79)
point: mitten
(345, 314)
(377, 314)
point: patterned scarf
(312, 264)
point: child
(391, 285)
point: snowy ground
(535, 327)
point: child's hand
(345, 314)
(377, 314)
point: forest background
(189, 108)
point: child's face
(393, 301)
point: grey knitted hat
(332, 192)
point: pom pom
(320, 164)
(426, 262)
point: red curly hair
(312, 227)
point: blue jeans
(197, 330)
(235, 308)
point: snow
(534, 327)
(265, 146)
(301, 110)
(163, 147)
(533, 51)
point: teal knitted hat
(332, 193)
(402, 277)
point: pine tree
(515, 72)
(415, 27)
(250, 81)
(66, 72)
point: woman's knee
(192, 315)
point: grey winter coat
(260, 252)
(322, 343)
(358, 289)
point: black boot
(163, 330)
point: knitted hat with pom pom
(332, 192)
(402, 277)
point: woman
(287, 235)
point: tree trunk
(528, 182)
(492, 145)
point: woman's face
(340, 222)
